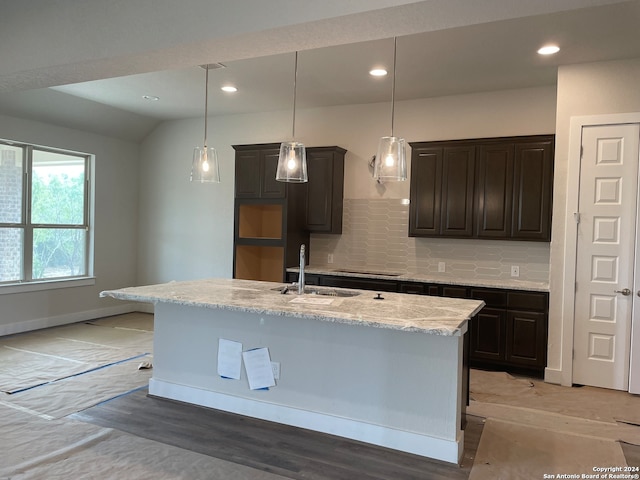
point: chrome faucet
(301, 274)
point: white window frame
(27, 283)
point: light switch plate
(515, 271)
(441, 267)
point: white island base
(388, 387)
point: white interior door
(606, 255)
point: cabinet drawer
(412, 288)
(455, 292)
(527, 301)
(492, 298)
(360, 283)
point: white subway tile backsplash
(375, 236)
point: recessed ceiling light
(378, 72)
(151, 98)
(549, 50)
(229, 88)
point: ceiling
(485, 57)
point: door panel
(605, 255)
(426, 184)
(458, 172)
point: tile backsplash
(374, 236)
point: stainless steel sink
(328, 292)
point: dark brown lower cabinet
(509, 334)
(526, 338)
(487, 335)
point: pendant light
(292, 162)
(205, 167)
(390, 163)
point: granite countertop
(413, 313)
(510, 284)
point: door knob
(625, 292)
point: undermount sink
(367, 272)
(328, 292)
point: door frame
(571, 232)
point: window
(44, 214)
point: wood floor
(286, 451)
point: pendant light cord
(393, 84)
(206, 103)
(295, 81)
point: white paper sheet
(229, 358)
(257, 363)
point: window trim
(27, 283)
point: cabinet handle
(625, 292)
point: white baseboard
(424, 445)
(39, 323)
(553, 375)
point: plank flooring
(286, 451)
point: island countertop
(413, 313)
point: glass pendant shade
(292, 163)
(390, 163)
(205, 168)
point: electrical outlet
(275, 366)
(515, 271)
(441, 267)
(330, 258)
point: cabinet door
(526, 338)
(487, 330)
(455, 292)
(426, 183)
(248, 174)
(494, 190)
(533, 183)
(325, 191)
(269, 186)
(458, 175)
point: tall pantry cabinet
(269, 216)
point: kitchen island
(386, 371)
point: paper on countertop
(257, 363)
(229, 358)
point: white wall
(116, 231)
(587, 89)
(186, 231)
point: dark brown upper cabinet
(426, 188)
(256, 167)
(533, 187)
(494, 188)
(325, 168)
(456, 205)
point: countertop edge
(460, 327)
(420, 278)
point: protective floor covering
(73, 394)
(533, 428)
(584, 402)
(35, 358)
(511, 451)
(33, 448)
